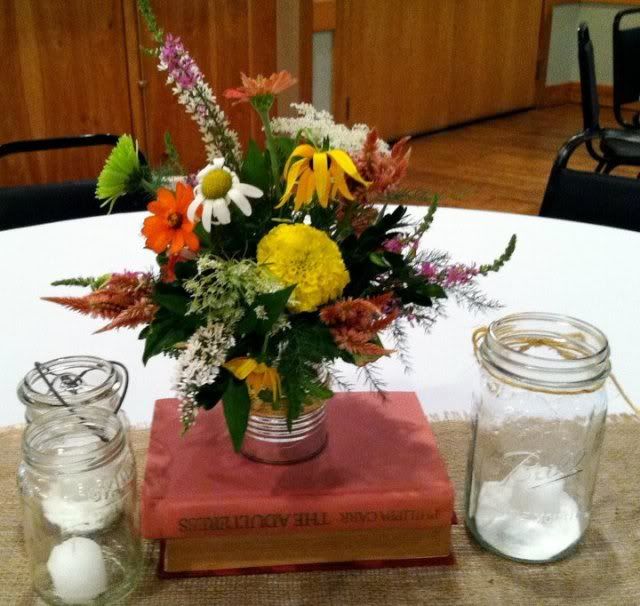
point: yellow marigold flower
(305, 256)
(258, 376)
(320, 172)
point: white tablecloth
(586, 271)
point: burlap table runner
(605, 570)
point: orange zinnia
(254, 87)
(169, 226)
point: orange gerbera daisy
(254, 87)
(169, 225)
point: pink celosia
(384, 171)
(355, 323)
(125, 299)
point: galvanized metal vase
(268, 439)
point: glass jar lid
(545, 351)
(78, 380)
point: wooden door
(64, 72)
(225, 37)
(418, 65)
(392, 63)
(494, 57)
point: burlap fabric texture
(604, 570)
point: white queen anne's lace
(320, 125)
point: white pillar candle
(78, 570)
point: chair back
(592, 198)
(626, 64)
(588, 83)
(23, 206)
(26, 205)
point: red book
(381, 469)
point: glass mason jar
(79, 380)
(269, 440)
(80, 509)
(540, 407)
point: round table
(581, 270)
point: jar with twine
(540, 407)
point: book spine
(161, 519)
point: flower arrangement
(273, 263)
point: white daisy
(217, 188)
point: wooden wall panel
(494, 57)
(225, 37)
(64, 72)
(392, 63)
(418, 65)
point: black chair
(626, 67)
(590, 197)
(26, 205)
(616, 147)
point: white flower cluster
(319, 125)
(199, 365)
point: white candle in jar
(537, 489)
(80, 517)
(77, 570)
(528, 514)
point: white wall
(322, 70)
(563, 50)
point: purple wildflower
(457, 275)
(193, 92)
(191, 179)
(429, 271)
(394, 245)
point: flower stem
(275, 168)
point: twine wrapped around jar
(569, 346)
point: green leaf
(379, 260)
(256, 169)
(166, 331)
(319, 391)
(209, 395)
(237, 404)
(248, 323)
(171, 297)
(203, 235)
(161, 337)
(421, 293)
(174, 302)
(274, 304)
(284, 148)
(185, 270)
